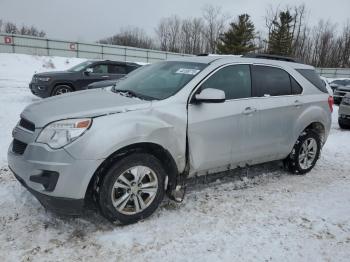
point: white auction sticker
(187, 71)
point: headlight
(44, 79)
(61, 133)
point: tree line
(286, 32)
(12, 28)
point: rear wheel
(132, 189)
(61, 89)
(305, 153)
(342, 125)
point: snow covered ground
(274, 216)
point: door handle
(249, 110)
(105, 76)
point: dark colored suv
(78, 77)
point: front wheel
(342, 125)
(305, 153)
(132, 189)
(61, 89)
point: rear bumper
(59, 205)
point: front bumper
(338, 95)
(59, 205)
(40, 89)
(66, 195)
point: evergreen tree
(239, 39)
(281, 36)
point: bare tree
(168, 32)
(130, 36)
(10, 28)
(215, 22)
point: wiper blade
(132, 93)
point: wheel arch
(63, 84)
(156, 150)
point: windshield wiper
(132, 93)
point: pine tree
(239, 39)
(281, 36)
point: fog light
(47, 178)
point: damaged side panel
(161, 125)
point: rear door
(217, 129)
(117, 71)
(278, 104)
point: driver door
(99, 72)
(215, 128)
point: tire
(119, 198)
(61, 89)
(342, 125)
(295, 162)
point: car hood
(89, 103)
(53, 74)
(343, 88)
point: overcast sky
(90, 20)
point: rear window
(313, 78)
(270, 81)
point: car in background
(339, 82)
(325, 81)
(106, 83)
(344, 112)
(78, 77)
(340, 88)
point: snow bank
(16, 70)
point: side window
(270, 81)
(117, 69)
(100, 69)
(233, 80)
(296, 88)
(131, 68)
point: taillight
(330, 103)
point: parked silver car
(126, 147)
(344, 112)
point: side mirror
(88, 71)
(210, 95)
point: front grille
(18, 147)
(27, 124)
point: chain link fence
(11, 43)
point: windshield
(80, 66)
(160, 80)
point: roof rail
(272, 57)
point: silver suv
(126, 146)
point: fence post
(102, 51)
(147, 55)
(125, 54)
(47, 47)
(13, 44)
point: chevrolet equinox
(127, 146)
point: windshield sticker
(187, 71)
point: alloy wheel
(134, 190)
